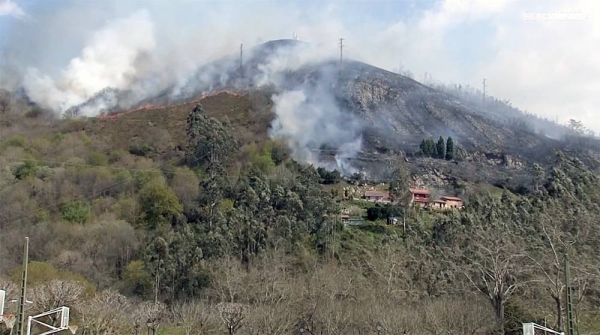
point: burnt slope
(396, 112)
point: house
(447, 202)
(377, 196)
(438, 204)
(420, 197)
(452, 202)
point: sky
(542, 55)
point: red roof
(424, 201)
(447, 197)
(419, 191)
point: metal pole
(21, 312)
(29, 325)
(569, 302)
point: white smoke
(125, 55)
(109, 61)
(312, 124)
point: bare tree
(192, 317)
(232, 315)
(103, 314)
(552, 267)
(56, 293)
(455, 316)
(495, 262)
(150, 314)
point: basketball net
(73, 328)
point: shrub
(96, 158)
(25, 170)
(141, 149)
(76, 212)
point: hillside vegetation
(192, 224)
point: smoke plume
(109, 61)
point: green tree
(441, 148)
(158, 204)
(450, 149)
(210, 144)
(423, 148)
(136, 279)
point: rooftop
(447, 197)
(419, 191)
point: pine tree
(450, 149)
(441, 148)
(423, 148)
(430, 149)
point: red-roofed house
(420, 197)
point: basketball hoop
(73, 328)
(9, 320)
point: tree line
(443, 149)
(212, 245)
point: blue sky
(545, 65)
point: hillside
(193, 212)
(245, 233)
(386, 111)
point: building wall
(453, 204)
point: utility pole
(483, 92)
(21, 312)
(568, 292)
(341, 51)
(242, 59)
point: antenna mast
(483, 92)
(341, 53)
(242, 59)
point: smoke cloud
(101, 56)
(109, 61)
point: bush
(96, 158)
(76, 212)
(25, 170)
(141, 149)
(15, 141)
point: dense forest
(232, 239)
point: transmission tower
(242, 59)
(341, 51)
(483, 92)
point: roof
(439, 201)
(447, 197)
(425, 201)
(376, 194)
(419, 191)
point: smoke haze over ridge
(535, 63)
(64, 52)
